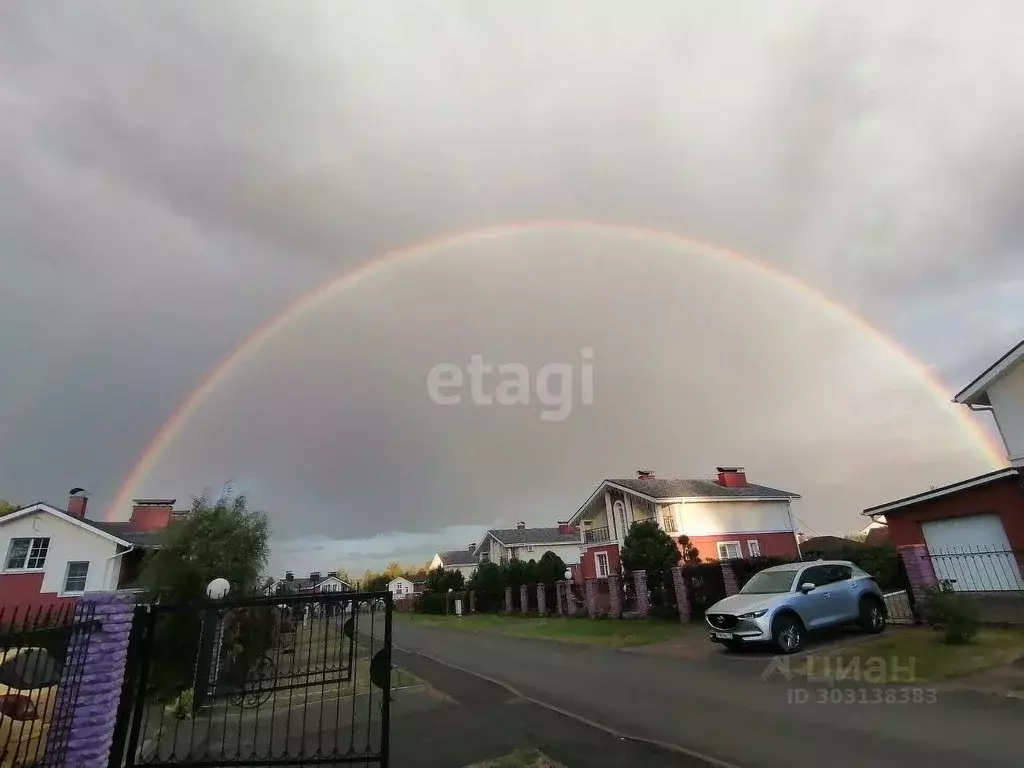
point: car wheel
(872, 616)
(787, 633)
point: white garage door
(973, 553)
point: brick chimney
(645, 474)
(77, 502)
(521, 526)
(565, 527)
(732, 477)
(314, 576)
(289, 576)
(150, 514)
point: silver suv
(781, 604)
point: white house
(1000, 390)
(499, 545)
(52, 554)
(401, 588)
(724, 518)
(464, 561)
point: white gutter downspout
(792, 526)
(131, 548)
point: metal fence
(978, 568)
(39, 675)
(265, 681)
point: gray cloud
(175, 175)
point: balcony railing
(597, 535)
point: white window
(754, 547)
(601, 564)
(729, 550)
(668, 520)
(27, 554)
(74, 579)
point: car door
(841, 592)
(813, 607)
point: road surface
(721, 707)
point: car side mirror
(807, 587)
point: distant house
(315, 583)
(464, 561)
(401, 588)
(53, 555)
(499, 545)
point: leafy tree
(550, 568)
(439, 580)
(7, 507)
(394, 570)
(219, 539)
(487, 578)
(514, 574)
(647, 547)
(343, 574)
(689, 553)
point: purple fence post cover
(93, 692)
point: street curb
(709, 761)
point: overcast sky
(174, 175)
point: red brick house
(727, 517)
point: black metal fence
(39, 674)
(264, 681)
(979, 568)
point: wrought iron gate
(296, 680)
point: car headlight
(754, 614)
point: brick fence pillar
(643, 600)
(729, 577)
(508, 599)
(591, 587)
(89, 703)
(559, 604)
(614, 596)
(524, 599)
(682, 596)
(472, 601)
(920, 572)
(542, 600)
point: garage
(973, 554)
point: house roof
(976, 393)
(937, 493)
(455, 557)
(115, 531)
(517, 536)
(301, 585)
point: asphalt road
(723, 708)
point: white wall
(711, 518)
(407, 586)
(1007, 398)
(68, 542)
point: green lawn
(608, 633)
(916, 653)
(520, 759)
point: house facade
(401, 588)
(315, 583)
(999, 389)
(53, 555)
(464, 561)
(499, 545)
(724, 518)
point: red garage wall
(1003, 497)
(21, 591)
(614, 563)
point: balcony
(597, 535)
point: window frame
(598, 556)
(723, 556)
(33, 547)
(670, 515)
(67, 576)
(754, 544)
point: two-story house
(499, 545)
(464, 561)
(724, 518)
(999, 389)
(52, 555)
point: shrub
(951, 613)
(665, 612)
(432, 602)
(180, 708)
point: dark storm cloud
(174, 175)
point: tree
(487, 579)
(343, 574)
(439, 580)
(647, 547)
(550, 568)
(394, 570)
(7, 507)
(219, 539)
(689, 553)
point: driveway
(727, 711)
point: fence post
(508, 599)
(729, 577)
(592, 598)
(615, 596)
(682, 596)
(92, 699)
(524, 598)
(643, 600)
(559, 605)
(472, 601)
(920, 572)
(542, 599)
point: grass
(918, 655)
(521, 758)
(605, 633)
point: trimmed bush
(951, 613)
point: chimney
(150, 514)
(521, 526)
(645, 474)
(332, 574)
(472, 547)
(732, 477)
(565, 527)
(289, 576)
(314, 576)
(77, 503)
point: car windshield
(769, 583)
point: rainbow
(421, 249)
